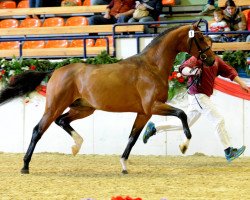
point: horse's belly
(116, 103)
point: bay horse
(136, 84)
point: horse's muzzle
(209, 61)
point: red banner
(231, 88)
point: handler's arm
(242, 83)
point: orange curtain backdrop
(230, 88)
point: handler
(201, 80)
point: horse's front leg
(160, 108)
(139, 123)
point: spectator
(236, 21)
(100, 2)
(117, 12)
(201, 81)
(35, 4)
(209, 8)
(54, 3)
(219, 25)
(154, 8)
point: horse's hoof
(124, 172)
(75, 149)
(183, 148)
(25, 171)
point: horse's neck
(163, 57)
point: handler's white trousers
(194, 111)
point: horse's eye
(201, 39)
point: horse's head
(198, 46)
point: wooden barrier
(53, 10)
(221, 3)
(234, 46)
(69, 30)
(54, 52)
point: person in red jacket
(118, 11)
(201, 81)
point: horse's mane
(160, 37)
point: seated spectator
(236, 21)
(100, 2)
(219, 25)
(209, 8)
(153, 9)
(35, 4)
(117, 12)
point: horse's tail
(22, 84)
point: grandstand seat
(33, 44)
(30, 22)
(53, 21)
(9, 45)
(7, 4)
(168, 2)
(23, 4)
(102, 42)
(79, 43)
(247, 15)
(86, 3)
(50, 22)
(9, 23)
(56, 44)
(248, 21)
(77, 21)
(78, 2)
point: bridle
(192, 38)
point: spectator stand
(243, 5)
(60, 33)
(22, 34)
(76, 33)
(183, 10)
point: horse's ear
(196, 24)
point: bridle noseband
(202, 54)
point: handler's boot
(150, 131)
(234, 153)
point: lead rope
(199, 82)
(196, 80)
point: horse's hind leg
(139, 123)
(65, 120)
(38, 131)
